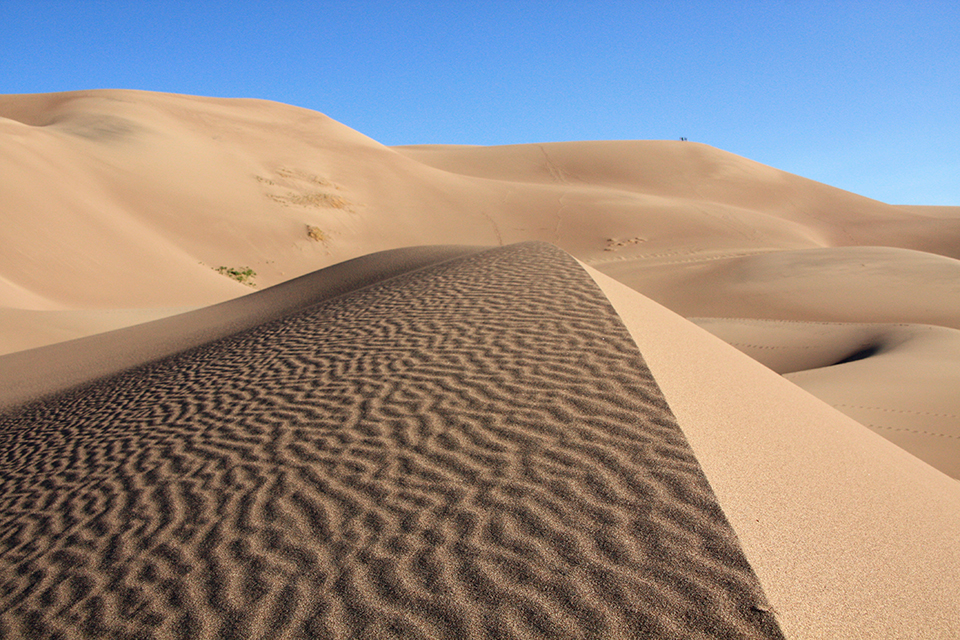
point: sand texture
(470, 449)
(850, 535)
(125, 206)
(261, 376)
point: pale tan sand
(473, 449)
(122, 202)
(29, 328)
(894, 379)
(845, 284)
(118, 204)
(851, 536)
(161, 186)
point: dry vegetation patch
(311, 199)
(316, 233)
(613, 244)
(294, 187)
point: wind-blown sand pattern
(471, 449)
(806, 339)
(121, 207)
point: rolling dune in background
(121, 205)
(413, 416)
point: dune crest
(261, 375)
(171, 197)
(471, 449)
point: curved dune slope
(894, 379)
(133, 199)
(851, 536)
(474, 448)
(124, 206)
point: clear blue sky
(861, 95)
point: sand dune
(56, 368)
(125, 207)
(851, 536)
(288, 473)
(166, 191)
(471, 449)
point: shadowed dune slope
(471, 449)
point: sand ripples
(474, 449)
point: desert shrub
(243, 275)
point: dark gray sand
(469, 449)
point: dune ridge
(411, 431)
(471, 449)
(168, 192)
(850, 535)
(30, 374)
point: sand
(850, 535)
(817, 429)
(474, 449)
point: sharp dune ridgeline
(262, 376)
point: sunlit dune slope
(897, 379)
(120, 198)
(460, 442)
(125, 206)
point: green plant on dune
(243, 275)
